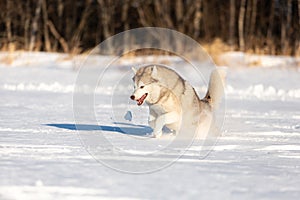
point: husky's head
(145, 85)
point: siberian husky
(174, 103)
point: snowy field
(42, 156)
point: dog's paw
(157, 134)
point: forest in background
(255, 26)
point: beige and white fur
(174, 103)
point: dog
(174, 103)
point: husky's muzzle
(141, 100)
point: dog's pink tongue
(140, 101)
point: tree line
(74, 26)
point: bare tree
(76, 38)
(283, 28)
(270, 29)
(241, 25)
(232, 24)
(8, 24)
(46, 32)
(288, 26)
(27, 25)
(35, 25)
(197, 19)
(58, 37)
(107, 13)
(75, 26)
(125, 21)
(253, 21)
(298, 46)
(60, 11)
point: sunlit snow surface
(41, 156)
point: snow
(240, 59)
(43, 157)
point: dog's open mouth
(142, 99)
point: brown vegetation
(265, 27)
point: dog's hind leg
(167, 118)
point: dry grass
(217, 48)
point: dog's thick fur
(173, 102)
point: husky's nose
(132, 97)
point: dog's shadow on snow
(126, 128)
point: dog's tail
(216, 87)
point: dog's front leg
(152, 121)
(167, 118)
(152, 118)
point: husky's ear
(154, 71)
(134, 70)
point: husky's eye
(142, 87)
